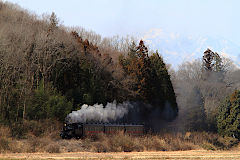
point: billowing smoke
(126, 112)
(98, 113)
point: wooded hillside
(47, 70)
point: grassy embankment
(44, 137)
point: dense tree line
(201, 86)
(48, 70)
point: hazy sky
(122, 17)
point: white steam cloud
(99, 113)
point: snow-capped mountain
(177, 48)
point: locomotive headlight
(65, 124)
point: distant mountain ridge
(177, 48)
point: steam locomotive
(79, 130)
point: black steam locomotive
(79, 130)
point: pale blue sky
(121, 17)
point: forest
(48, 70)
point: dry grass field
(192, 154)
(41, 143)
(37, 139)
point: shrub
(18, 130)
(208, 146)
(4, 144)
(101, 147)
(5, 132)
(53, 148)
(154, 143)
(122, 142)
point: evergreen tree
(138, 66)
(228, 120)
(53, 23)
(213, 66)
(162, 83)
(152, 82)
(47, 103)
